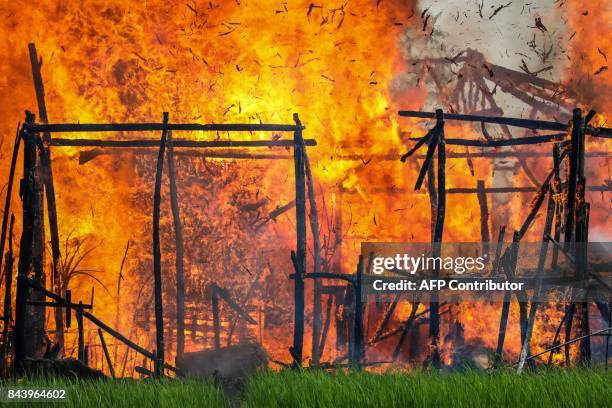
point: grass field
(573, 388)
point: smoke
(509, 34)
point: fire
(246, 62)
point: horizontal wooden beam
(500, 120)
(177, 143)
(530, 140)
(158, 127)
(471, 190)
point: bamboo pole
(357, 360)
(178, 239)
(300, 254)
(8, 282)
(47, 178)
(434, 319)
(535, 300)
(316, 248)
(106, 355)
(159, 311)
(9, 190)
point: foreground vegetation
(553, 388)
(569, 388)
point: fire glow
(341, 68)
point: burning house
(195, 177)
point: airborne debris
(601, 69)
(498, 9)
(539, 25)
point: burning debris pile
(255, 241)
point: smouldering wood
(106, 354)
(159, 310)
(177, 143)
(535, 300)
(157, 127)
(178, 242)
(517, 122)
(300, 253)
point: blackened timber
(9, 190)
(358, 326)
(516, 122)
(8, 282)
(385, 321)
(159, 311)
(431, 148)
(157, 127)
(325, 330)
(111, 369)
(225, 295)
(419, 143)
(81, 338)
(47, 178)
(484, 217)
(177, 143)
(216, 322)
(36, 286)
(405, 329)
(316, 248)
(529, 140)
(178, 242)
(300, 254)
(30, 320)
(434, 319)
(577, 124)
(503, 322)
(535, 300)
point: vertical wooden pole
(216, 322)
(159, 310)
(30, 320)
(111, 369)
(358, 326)
(8, 282)
(300, 215)
(47, 179)
(538, 290)
(178, 239)
(316, 248)
(434, 307)
(581, 250)
(509, 266)
(484, 217)
(9, 191)
(81, 339)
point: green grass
(552, 388)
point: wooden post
(106, 355)
(557, 191)
(9, 191)
(216, 323)
(30, 320)
(316, 248)
(300, 261)
(81, 347)
(47, 178)
(178, 239)
(509, 267)
(358, 325)
(8, 282)
(159, 310)
(434, 307)
(581, 253)
(484, 217)
(525, 349)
